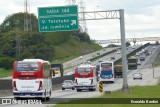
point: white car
(143, 50)
(137, 76)
(138, 62)
(68, 84)
(140, 52)
(118, 52)
(137, 54)
(81, 57)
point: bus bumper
(106, 80)
(85, 87)
(28, 94)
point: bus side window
(94, 71)
(46, 70)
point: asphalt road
(145, 68)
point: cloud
(141, 16)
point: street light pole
(123, 52)
(153, 69)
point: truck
(57, 69)
(132, 63)
(146, 51)
(118, 71)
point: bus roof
(107, 62)
(85, 65)
(37, 60)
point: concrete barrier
(5, 84)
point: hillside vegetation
(17, 44)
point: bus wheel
(47, 98)
(73, 88)
(94, 89)
(44, 98)
(78, 90)
(91, 89)
(112, 81)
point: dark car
(147, 53)
(68, 84)
(142, 58)
(98, 53)
(112, 58)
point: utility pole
(18, 42)
(27, 18)
(125, 88)
(82, 16)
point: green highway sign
(63, 18)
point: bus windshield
(27, 66)
(106, 66)
(83, 70)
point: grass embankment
(65, 52)
(135, 92)
(72, 49)
(5, 73)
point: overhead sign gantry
(112, 14)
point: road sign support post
(125, 88)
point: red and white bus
(32, 78)
(85, 78)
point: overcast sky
(142, 17)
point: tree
(127, 44)
(17, 21)
(84, 37)
(157, 42)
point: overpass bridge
(134, 40)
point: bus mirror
(52, 73)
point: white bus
(85, 78)
(106, 71)
(32, 78)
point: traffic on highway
(86, 76)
